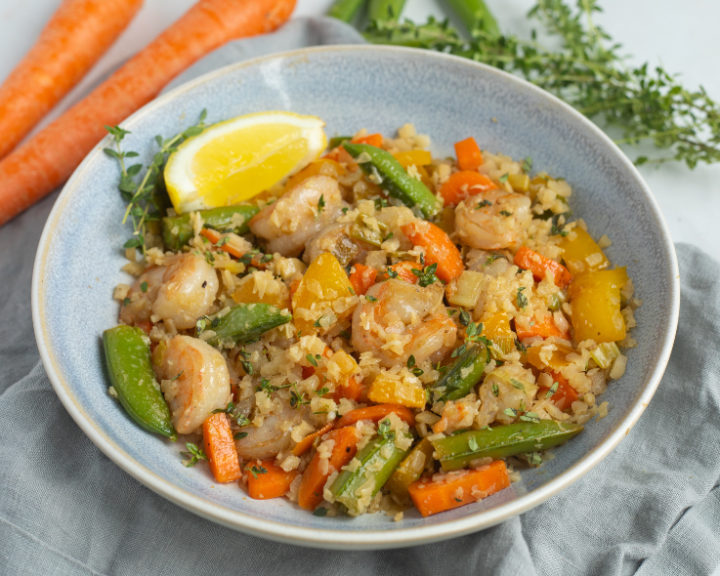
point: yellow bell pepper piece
(323, 293)
(595, 303)
(413, 158)
(384, 390)
(324, 166)
(519, 182)
(410, 469)
(581, 253)
(557, 359)
(261, 288)
(497, 330)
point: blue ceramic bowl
(380, 88)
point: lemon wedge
(232, 161)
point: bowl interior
(80, 258)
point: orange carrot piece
(538, 264)
(458, 488)
(353, 390)
(220, 448)
(375, 414)
(565, 394)
(371, 139)
(362, 277)
(315, 476)
(45, 161)
(468, 154)
(78, 34)
(544, 329)
(439, 249)
(274, 482)
(462, 185)
(306, 443)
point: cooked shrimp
(194, 379)
(496, 225)
(336, 240)
(271, 437)
(182, 290)
(516, 389)
(405, 320)
(288, 223)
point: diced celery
(604, 354)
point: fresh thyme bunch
(587, 71)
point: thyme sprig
(143, 204)
(589, 72)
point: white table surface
(682, 34)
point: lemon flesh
(232, 161)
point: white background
(680, 34)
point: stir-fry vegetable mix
(446, 325)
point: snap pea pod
(455, 384)
(345, 10)
(475, 13)
(378, 460)
(177, 230)
(393, 178)
(410, 468)
(455, 452)
(246, 322)
(128, 359)
(337, 140)
(385, 9)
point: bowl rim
(343, 539)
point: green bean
(385, 9)
(457, 382)
(455, 452)
(378, 461)
(392, 177)
(244, 323)
(474, 13)
(178, 230)
(337, 140)
(128, 359)
(345, 10)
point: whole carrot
(74, 39)
(44, 162)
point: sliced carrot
(458, 488)
(316, 474)
(468, 154)
(544, 329)
(352, 390)
(77, 35)
(371, 139)
(375, 414)
(362, 277)
(45, 161)
(268, 481)
(462, 185)
(439, 249)
(565, 394)
(220, 448)
(538, 264)
(306, 443)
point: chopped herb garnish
(510, 412)
(350, 288)
(530, 417)
(535, 459)
(426, 276)
(384, 428)
(459, 351)
(520, 346)
(324, 390)
(196, 454)
(465, 318)
(458, 500)
(371, 298)
(380, 203)
(472, 444)
(311, 359)
(321, 203)
(227, 410)
(521, 299)
(240, 435)
(482, 204)
(411, 361)
(491, 259)
(527, 164)
(503, 178)
(344, 210)
(495, 390)
(321, 512)
(209, 258)
(391, 273)
(177, 375)
(255, 470)
(345, 334)
(144, 286)
(506, 213)
(519, 385)
(249, 370)
(296, 398)
(126, 301)
(551, 391)
(317, 323)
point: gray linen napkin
(651, 508)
